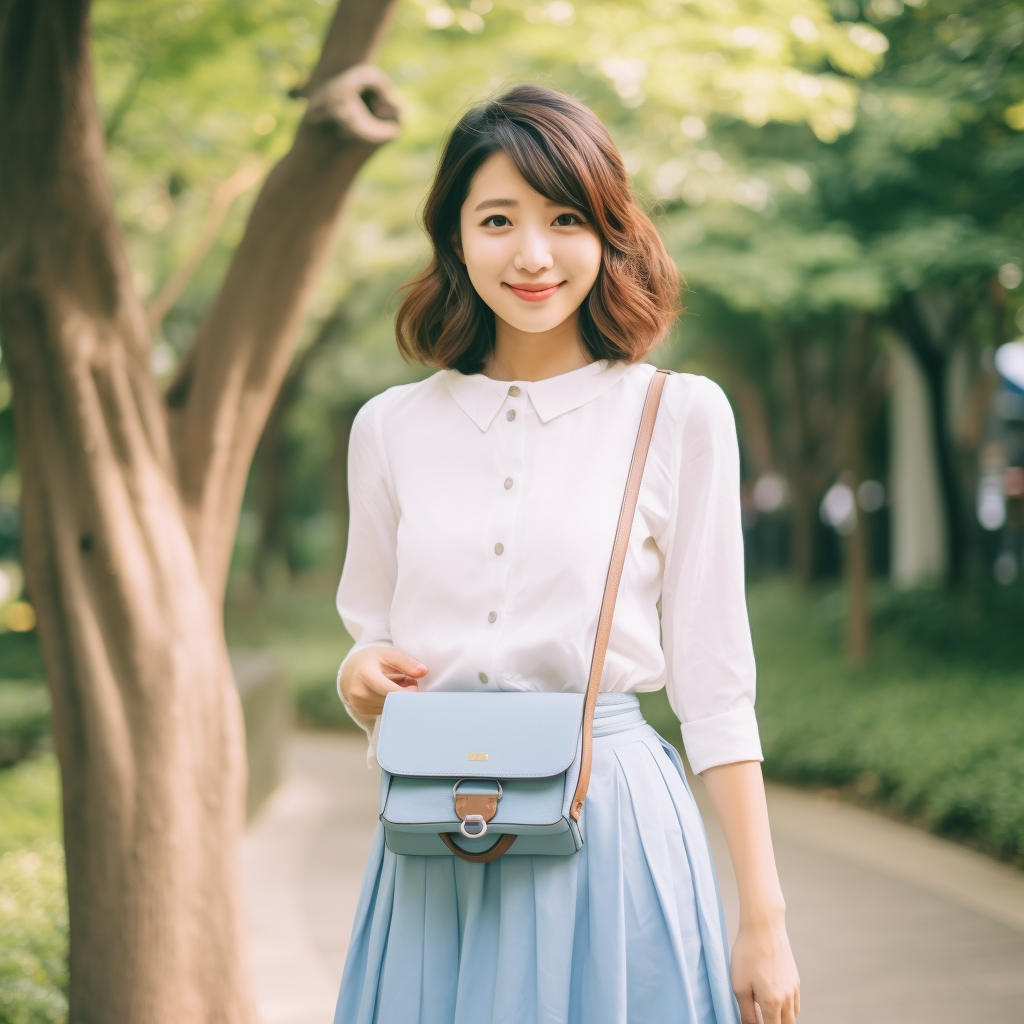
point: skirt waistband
(616, 712)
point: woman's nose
(534, 253)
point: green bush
(318, 706)
(33, 901)
(932, 728)
(24, 719)
(20, 657)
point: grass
(33, 904)
(24, 699)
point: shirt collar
(480, 397)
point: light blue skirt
(628, 931)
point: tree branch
(223, 196)
(125, 102)
(220, 398)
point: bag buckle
(474, 810)
(474, 820)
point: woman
(483, 505)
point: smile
(531, 294)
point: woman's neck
(522, 355)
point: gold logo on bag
(478, 757)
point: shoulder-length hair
(564, 152)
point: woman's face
(531, 260)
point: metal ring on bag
(474, 818)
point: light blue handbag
(479, 775)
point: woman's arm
(367, 585)
(763, 969)
(709, 658)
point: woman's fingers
(777, 1009)
(748, 1008)
(400, 663)
(381, 671)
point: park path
(888, 924)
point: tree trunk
(856, 567)
(128, 525)
(932, 354)
(272, 539)
(270, 563)
(803, 496)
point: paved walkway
(889, 925)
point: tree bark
(129, 510)
(272, 538)
(803, 489)
(932, 353)
(856, 552)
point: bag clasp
(474, 810)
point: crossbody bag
(481, 775)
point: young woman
(483, 506)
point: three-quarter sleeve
(367, 584)
(705, 630)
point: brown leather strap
(611, 585)
(499, 848)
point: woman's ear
(457, 246)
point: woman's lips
(530, 295)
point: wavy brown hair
(564, 152)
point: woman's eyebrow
(487, 203)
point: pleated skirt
(630, 930)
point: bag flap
(480, 735)
(419, 801)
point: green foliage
(20, 657)
(932, 729)
(189, 93)
(24, 699)
(24, 718)
(33, 903)
(923, 192)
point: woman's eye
(574, 216)
(496, 216)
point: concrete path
(888, 924)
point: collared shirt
(483, 514)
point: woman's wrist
(768, 914)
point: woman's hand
(374, 672)
(764, 972)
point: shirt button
(492, 616)
(482, 677)
(510, 415)
(499, 548)
(514, 390)
(508, 483)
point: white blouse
(482, 519)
